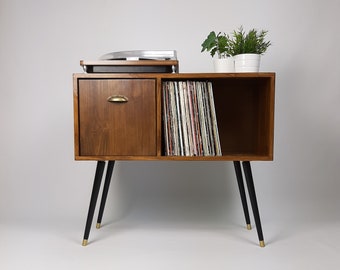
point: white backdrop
(41, 45)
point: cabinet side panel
(75, 115)
(265, 119)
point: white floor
(166, 238)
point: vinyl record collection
(189, 119)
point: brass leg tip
(84, 242)
(98, 226)
(248, 226)
(262, 244)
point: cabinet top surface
(176, 75)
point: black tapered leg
(239, 177)
(108, 177)
(93, 201)
(253, 200)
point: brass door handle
(117, 99)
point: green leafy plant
(217, 44)
(251, 42)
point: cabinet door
(123, 127)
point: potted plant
(218, 44)
(247, 49)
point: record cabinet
(120, 116)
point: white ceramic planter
(247, 62)
(224, 64)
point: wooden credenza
(119, 117)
